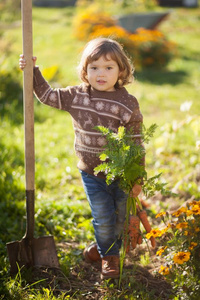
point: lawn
(61, 206)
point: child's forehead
(103, 59)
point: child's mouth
(101, 81)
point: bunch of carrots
(132, 233)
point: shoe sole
(109, 277)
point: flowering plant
(147, 48)
(150, 48)
(180, 239)
(86, 22)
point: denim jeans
(108, 207)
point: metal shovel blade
(37, 252)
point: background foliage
(147, 48)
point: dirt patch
(83, 281)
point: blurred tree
(10, 9)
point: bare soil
(84, 281)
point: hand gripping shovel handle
(26, 9)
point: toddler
(101, 99)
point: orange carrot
(143, 217)
(134, 230)
(139, 241)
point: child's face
(102, 74)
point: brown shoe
(91, 253)
(110, 267)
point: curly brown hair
(103, 47)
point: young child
(100, 99)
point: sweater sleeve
(57, 98)
(135, 122)
(135, 125)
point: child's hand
(22, 61)
(136, 190)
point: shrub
(147, 48)
(10, 10)
(11, 104)
(85, 23)
(151, 48)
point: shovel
(30, 251)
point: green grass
(61, 206)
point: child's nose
(100, 72)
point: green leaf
(103, 157)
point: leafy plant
(181, 249)
(11, 104)
(122, 159)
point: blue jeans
(108, 206)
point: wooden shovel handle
(26, 10)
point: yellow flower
(154, 233)
(197, 229)
(189, 213)
(160, 252)
(180, 211)
(164, 270)
(195, 209)
(161, 214)
(194, 202)
(181, 257)
(192, 245)
(182, 225)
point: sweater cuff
(38, 79)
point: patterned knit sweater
(89, 108)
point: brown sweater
(90, 108)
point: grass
(61, 207)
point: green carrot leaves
(122, 159)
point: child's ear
(120, 74)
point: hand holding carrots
(136, 190)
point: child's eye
(109, 68)
(94, 68)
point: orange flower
(195, 209)
(164, 270)
(182, 225)
(181, 257)
(192, 245)
(161, 214)
(154, 233)
(180, 211)
(160, 252)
